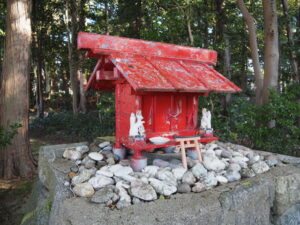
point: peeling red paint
(162, 80)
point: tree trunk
(244, 73)
(106, 17)
(254, 50)
(47, 81)
(76, 7)
(188, 24)
(290, 36)
(227, 64)
(271, 55)
(83, 82)
(14, 92)
(38, 57)
(39, 86)
(72, 54)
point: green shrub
(247, 124)
(80, 127)
(7, 135)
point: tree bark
(76, 8)
(106, 17)
(271, 56)
(290, 36)
(14, 92)
(188, 23)
(227, 64)
(83, 82)
(38, 72)
(244, 75)
(38, 57)
(254, 50)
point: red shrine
(161, 80)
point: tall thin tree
(271, 52)
(14, 92)
(249, 20)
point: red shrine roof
(155, 66)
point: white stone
(123, 184)
(162, 187)
(199, 187)
(83, 190)
(232, 176)
(211, 162)
(237, 154)
(115, 167)
(188, 178)
(166, 176)
(128, 178)
(249, 154)
(272, 160)
(226, 154)
(210, 180)
(254, 159)
(105, 195)
(96, 156)
(122, 171)
(218, 152)
(124, 196)
(199, 171)
(143, 191)
(151, 170)
(82, 149)
(83, 176)
(160, 163)
(260, 167)
(100, 181)
(105, 172)
(104, 144)
(67, 183)
(141, 174)
(179, 172)
(221, 179)
(72, 154)
(226, 161)
(144, 179)
(211, 147)
(88, 163)
(107, 148)
(234, 167)
(242, 161)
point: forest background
(258, 45)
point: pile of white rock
(99, 174)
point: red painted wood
(141, 74)
(106, 45)
(125, 105)
(148, 146)
(213, 80)
(163, 81)
(178, 76)
(160, 75)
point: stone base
(269, 198)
